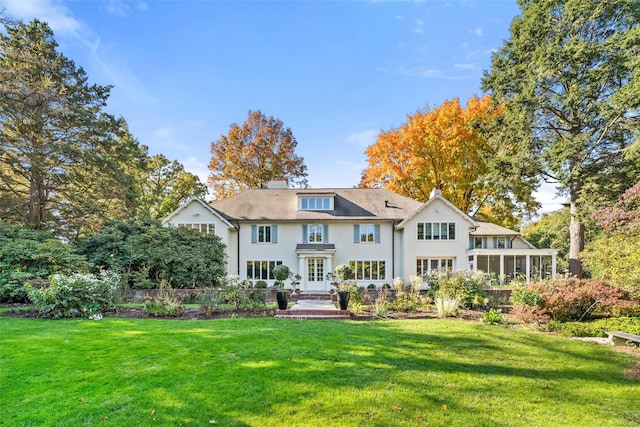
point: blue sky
(335, 72)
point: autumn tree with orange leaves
(444, 148)
(260, 150)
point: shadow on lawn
(239, 371)
(293, 366)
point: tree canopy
(165, 185)
(250, 155)
(569, 80)
(63, 160)
(443, 148)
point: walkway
(313, 309)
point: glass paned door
(315, 270)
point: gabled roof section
(437, 195)
(195, 199)
(360, 204)
(491, 229)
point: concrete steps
(312, 296)
(313, 309)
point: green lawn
(272, 372)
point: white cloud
(467, 66)
(65, 26)
(399, 17)
(478, 32)
(418, 30)
(547, 197)
(363, 139)
(162, 133)
(56, 15)
(117, 70)
(419, 72)
(196, 167)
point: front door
(315, 274)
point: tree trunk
(36, 215)
(576, 234)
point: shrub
(281, 273)
(381, 305)
(148, 253)
(164, 304)
(210, 300)
(493, 316)
(596, 328)
(466, 285)
(447, 305)
(261, 284)
(528, 314)
(570, 299)
(27, 254)
(241, 293)
(522, 296)
(76, 295)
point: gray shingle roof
(349, 203)
(491, 229)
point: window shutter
(495, 242)
(325, 233)
(305, 237)
(254, 234)
(376, 233)
(356, 233)
(274, 233)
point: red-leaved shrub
(574, 300)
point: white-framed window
(477, 242)
(264, 233)
(315, 233)
(261, 270)
(366, 233)
(501, 242)
(436, 231)
(207, 228)
(324, 203)
(368, 270)
(424, 265)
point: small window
(436, 231)
(315, 233)
(202, 228)
(366, 233)
(424, 265)
(316, 203)
(264, 233)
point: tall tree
(63, 160)
(442, 148)
(254, 153)
(569, 79)
(165, 185)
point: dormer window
(315, 203)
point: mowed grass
(272, 372)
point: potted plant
(343, 272)
(281, 273)
(295, 281)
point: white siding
(436, 211)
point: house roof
(490, 229)
(437, 195)
(195, 199)
(349, 203)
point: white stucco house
(381, 234)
